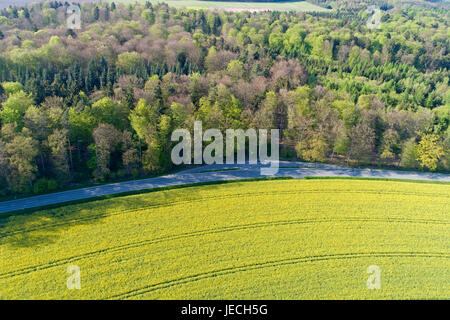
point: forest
(100, 103)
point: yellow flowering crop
(285, 239)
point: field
(240, 6)
(229, 6)
(248, 240)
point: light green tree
(409, 154)
(21, 150)
(127, 60)
(111, 112)
(429, 150)
(235, 69)
(12, 87)
(144, 120)
(19, 101)
(312, 147)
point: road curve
(208, 173)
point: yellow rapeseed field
(281, 239)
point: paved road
(287, 169)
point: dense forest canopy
(101, 102)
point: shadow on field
(43, 227)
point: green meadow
(237, 6)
